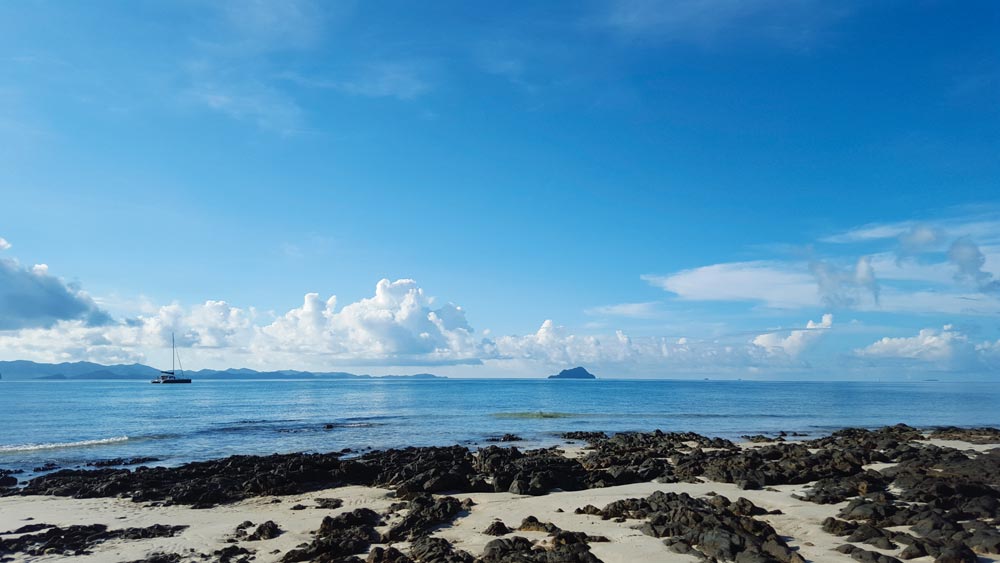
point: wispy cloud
(774, 284)
(267, 107)
(918, 267)
(643, 310)
(794, 23)
(403, 80)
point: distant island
(22, 370)
(574, 373)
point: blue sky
(649, 187)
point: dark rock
(719, 528)
(425, 513)
(329, 503)
(521, 550)
(78, 540)
(266, 531)
(585, 436)
(437, 550)
(387, 555)
(29, 528)
(532, 524)
(956, 554)
(119, 461)
(505, 438)
(233, 553)
(971, 435)
(497, 528)
(159, 558)
(340, 536)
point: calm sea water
(70, 423)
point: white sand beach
(213, 528)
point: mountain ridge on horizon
(26, 370)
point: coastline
(800, 521)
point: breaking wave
(62, 445)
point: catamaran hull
(171, 381)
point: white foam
(59, 445)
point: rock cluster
(77, 540)
(714, 528)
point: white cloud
(945, 348)
(928, 345)
(927, 235)
(870, 232)
(969, 260)
(212, 325)
(920, 238)
(774, 284)
(797, 340)
(4, 245)
(841, 287)
(917, 268)
(398, 322)
(557, 346)
(31, 298)
(643, 310)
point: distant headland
(574, 373)
(22, 370)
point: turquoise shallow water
(70, 423)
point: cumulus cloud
(4, 245)
(797, 340)
(30, 298)
(212, 325)
(399, 321)
(969, 259)
(557, 345)
(944, 348)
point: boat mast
(173, 354)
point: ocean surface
(70, 423)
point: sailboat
(170, 376)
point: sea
(72, 423)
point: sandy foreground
(209, 529)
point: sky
(648, 188)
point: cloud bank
(32, 298)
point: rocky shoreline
(895, 493)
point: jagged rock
(438, 550)
(387, 555)
(266, 531)
(497, 528)
(425, 512)
(343, 535)
(79, 540)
